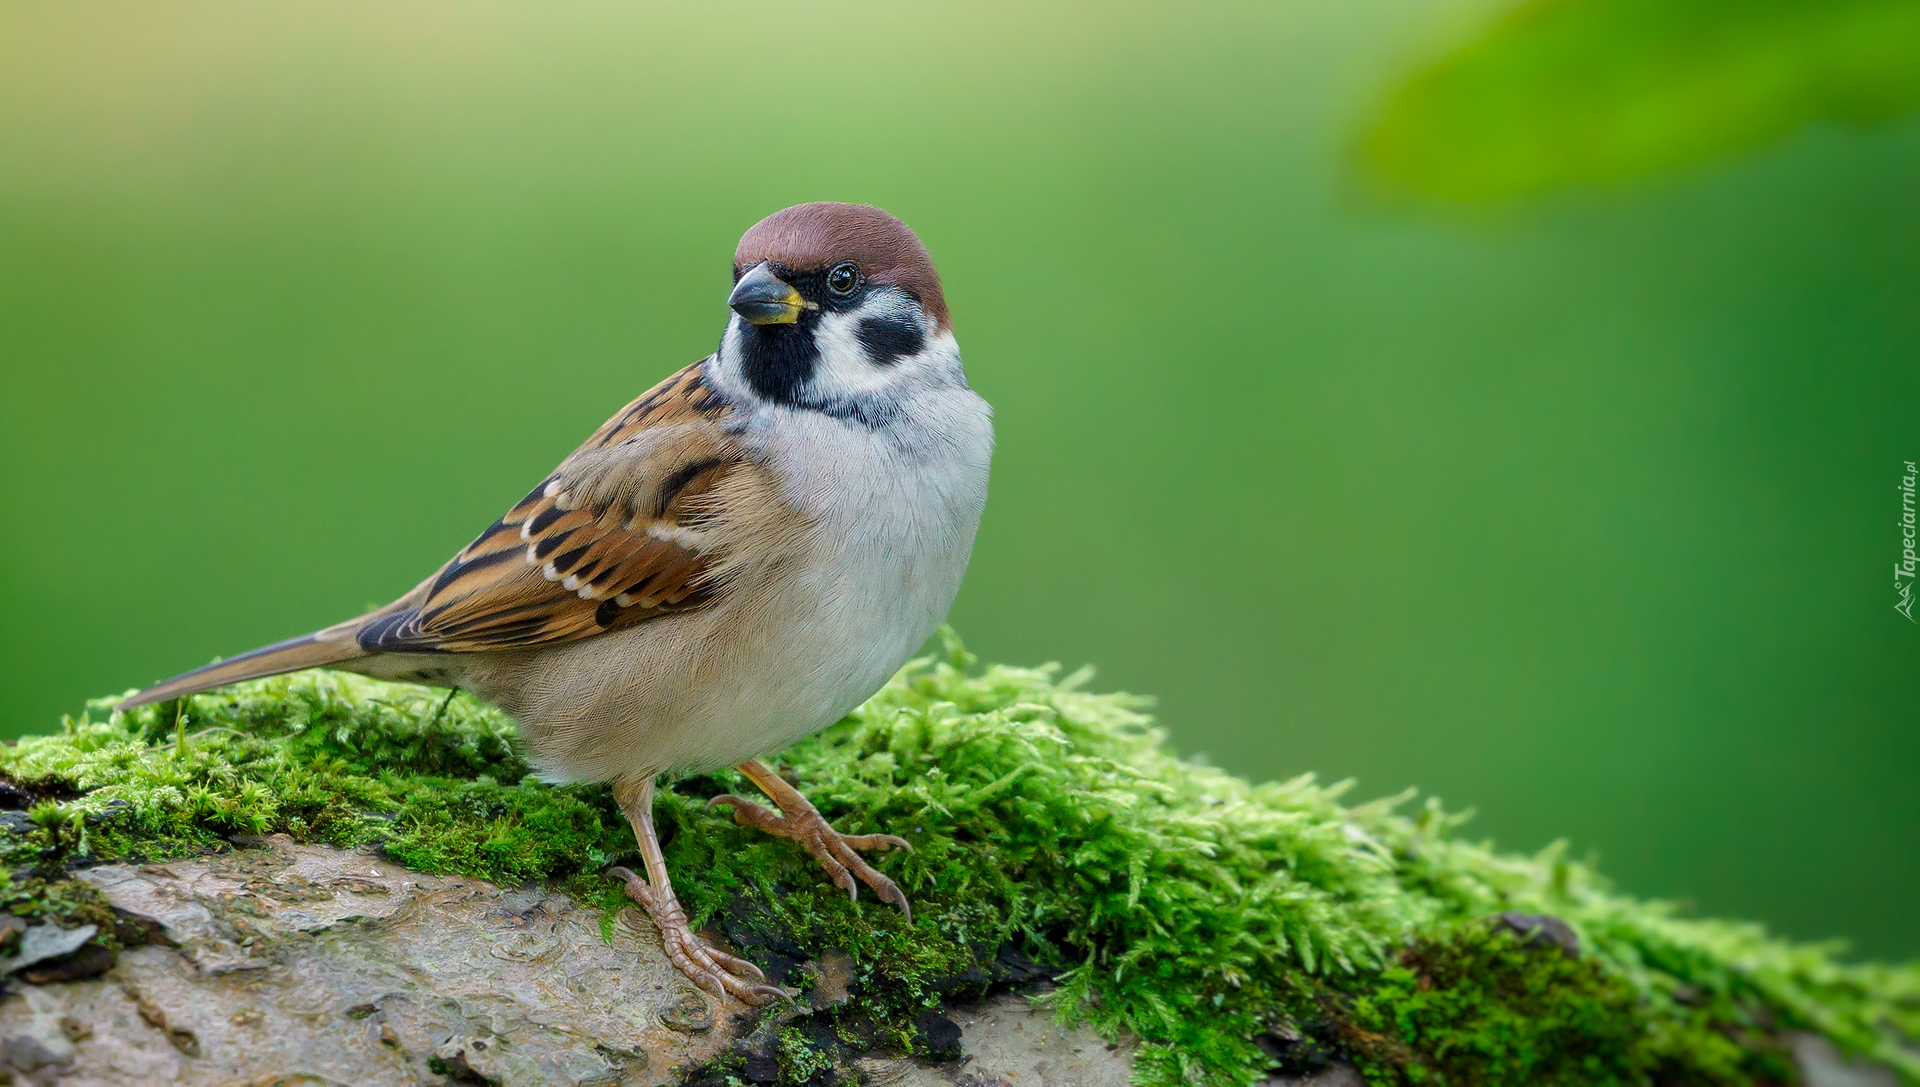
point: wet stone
(688, 1013)
(833, 974)
(286, 963)
(282, 962)
(762, 1065)
(1542, 930)
(941, 1034)
(90, 961)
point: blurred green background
(1505, 402)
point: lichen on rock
(1229, 929)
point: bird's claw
(703, 964)
(834, 850)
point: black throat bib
(778, 360)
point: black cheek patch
(887, 339)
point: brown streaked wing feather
(612, 538)
(686, 393)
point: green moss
(68, 903)
(1483, 1005)
(801, 1060)
(1206, 914)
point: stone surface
(287, 965)
(1823, 1065)
(43, 942)
(308, 965)
(1007, 1042)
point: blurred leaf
(1560, 92)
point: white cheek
(724, 372)
(844, 370)
(847, 373)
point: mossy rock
(1233, 928)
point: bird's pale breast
(875, 535)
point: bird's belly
(760, 669)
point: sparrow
(735, 560)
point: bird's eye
(843, 279)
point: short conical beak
(765, 299)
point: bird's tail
(330, 646)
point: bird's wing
(615, 536)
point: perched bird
(734, 561)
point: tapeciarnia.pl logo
(1905, 567)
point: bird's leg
(708, 967)
(804, 823)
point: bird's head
(837, 307)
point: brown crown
(810, 237)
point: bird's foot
(703, 964)
(834, 850)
